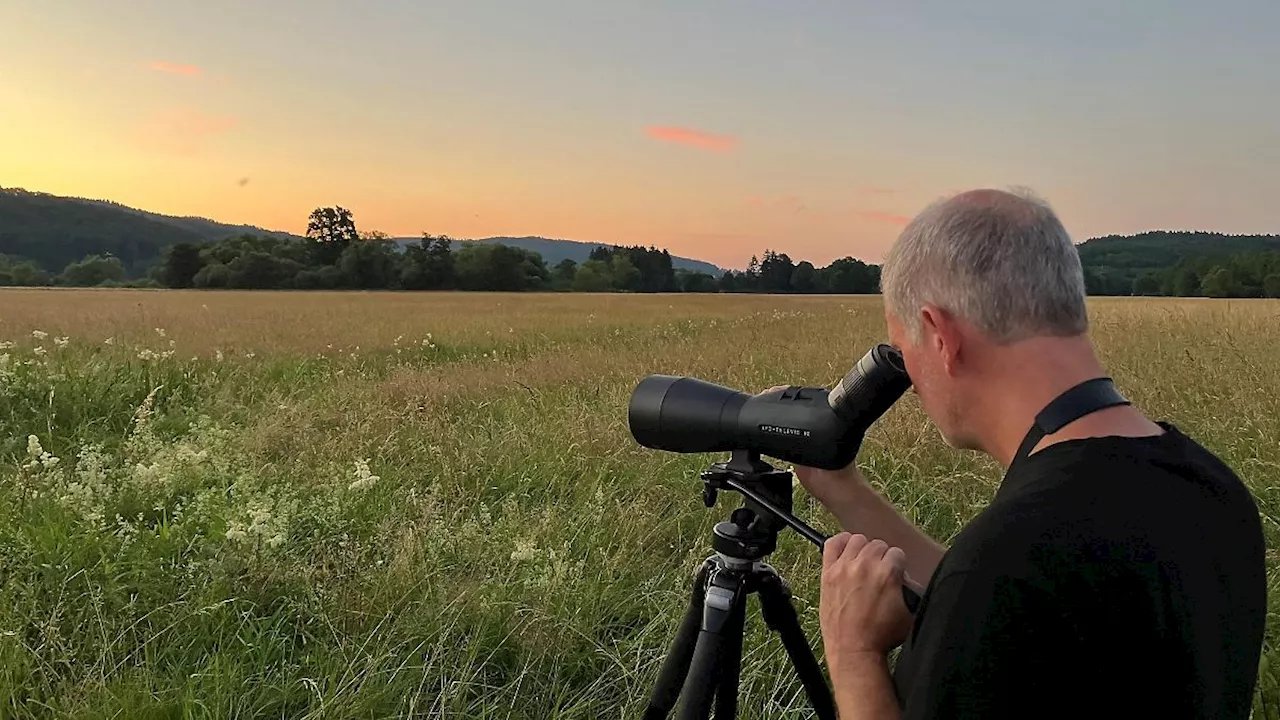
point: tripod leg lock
(716, 607)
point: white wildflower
(61, 341)
(160, 332)
(217, 355)
(86, 492)
(39, 456)
(525, 550)
(266, 525)
(39, 334)
(6, 344)
(364, 477)
(39, 350)
(109, 341)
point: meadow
(374, 505)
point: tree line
(334, 255)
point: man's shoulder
(1086, 498)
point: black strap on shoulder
(1076, 402)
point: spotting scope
(809, 426)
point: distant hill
(1114, 262)
(554, 251)
(53, 230)
(204, 227)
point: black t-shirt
(1108, 577)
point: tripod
(705, 658)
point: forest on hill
(1180, 263)
(48, 240)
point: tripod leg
(674, 669)
(721, 599)
(731, 669)
(780, 615)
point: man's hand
(861, 609)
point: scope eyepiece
(873, 385)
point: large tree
(332, 229)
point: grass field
(421, 505)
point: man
(1119, 569)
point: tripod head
(751, 533)
(752, 530)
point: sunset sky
(715, 129)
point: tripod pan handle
(912, 599)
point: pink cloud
(174, 68)
(183, 131)
(694, 138)
(883, 217)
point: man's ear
(942, 336)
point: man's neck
(1029, 376)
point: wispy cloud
(183, 131)
(174, 68)
(700, 139)
(883, 217)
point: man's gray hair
(1000, 259)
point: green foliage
(179, 265)
(804, 278)
(593, 276)
(563, 275)
(1238, 275)
(625, 275)
(695, 282)
(92, 271)
(498, 267)
(16, 272)
(1271, 285)
(428, 265)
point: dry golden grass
(519, 555)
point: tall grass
(429, 505)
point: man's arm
(861, 510)
(863, 617)
(864, 689)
